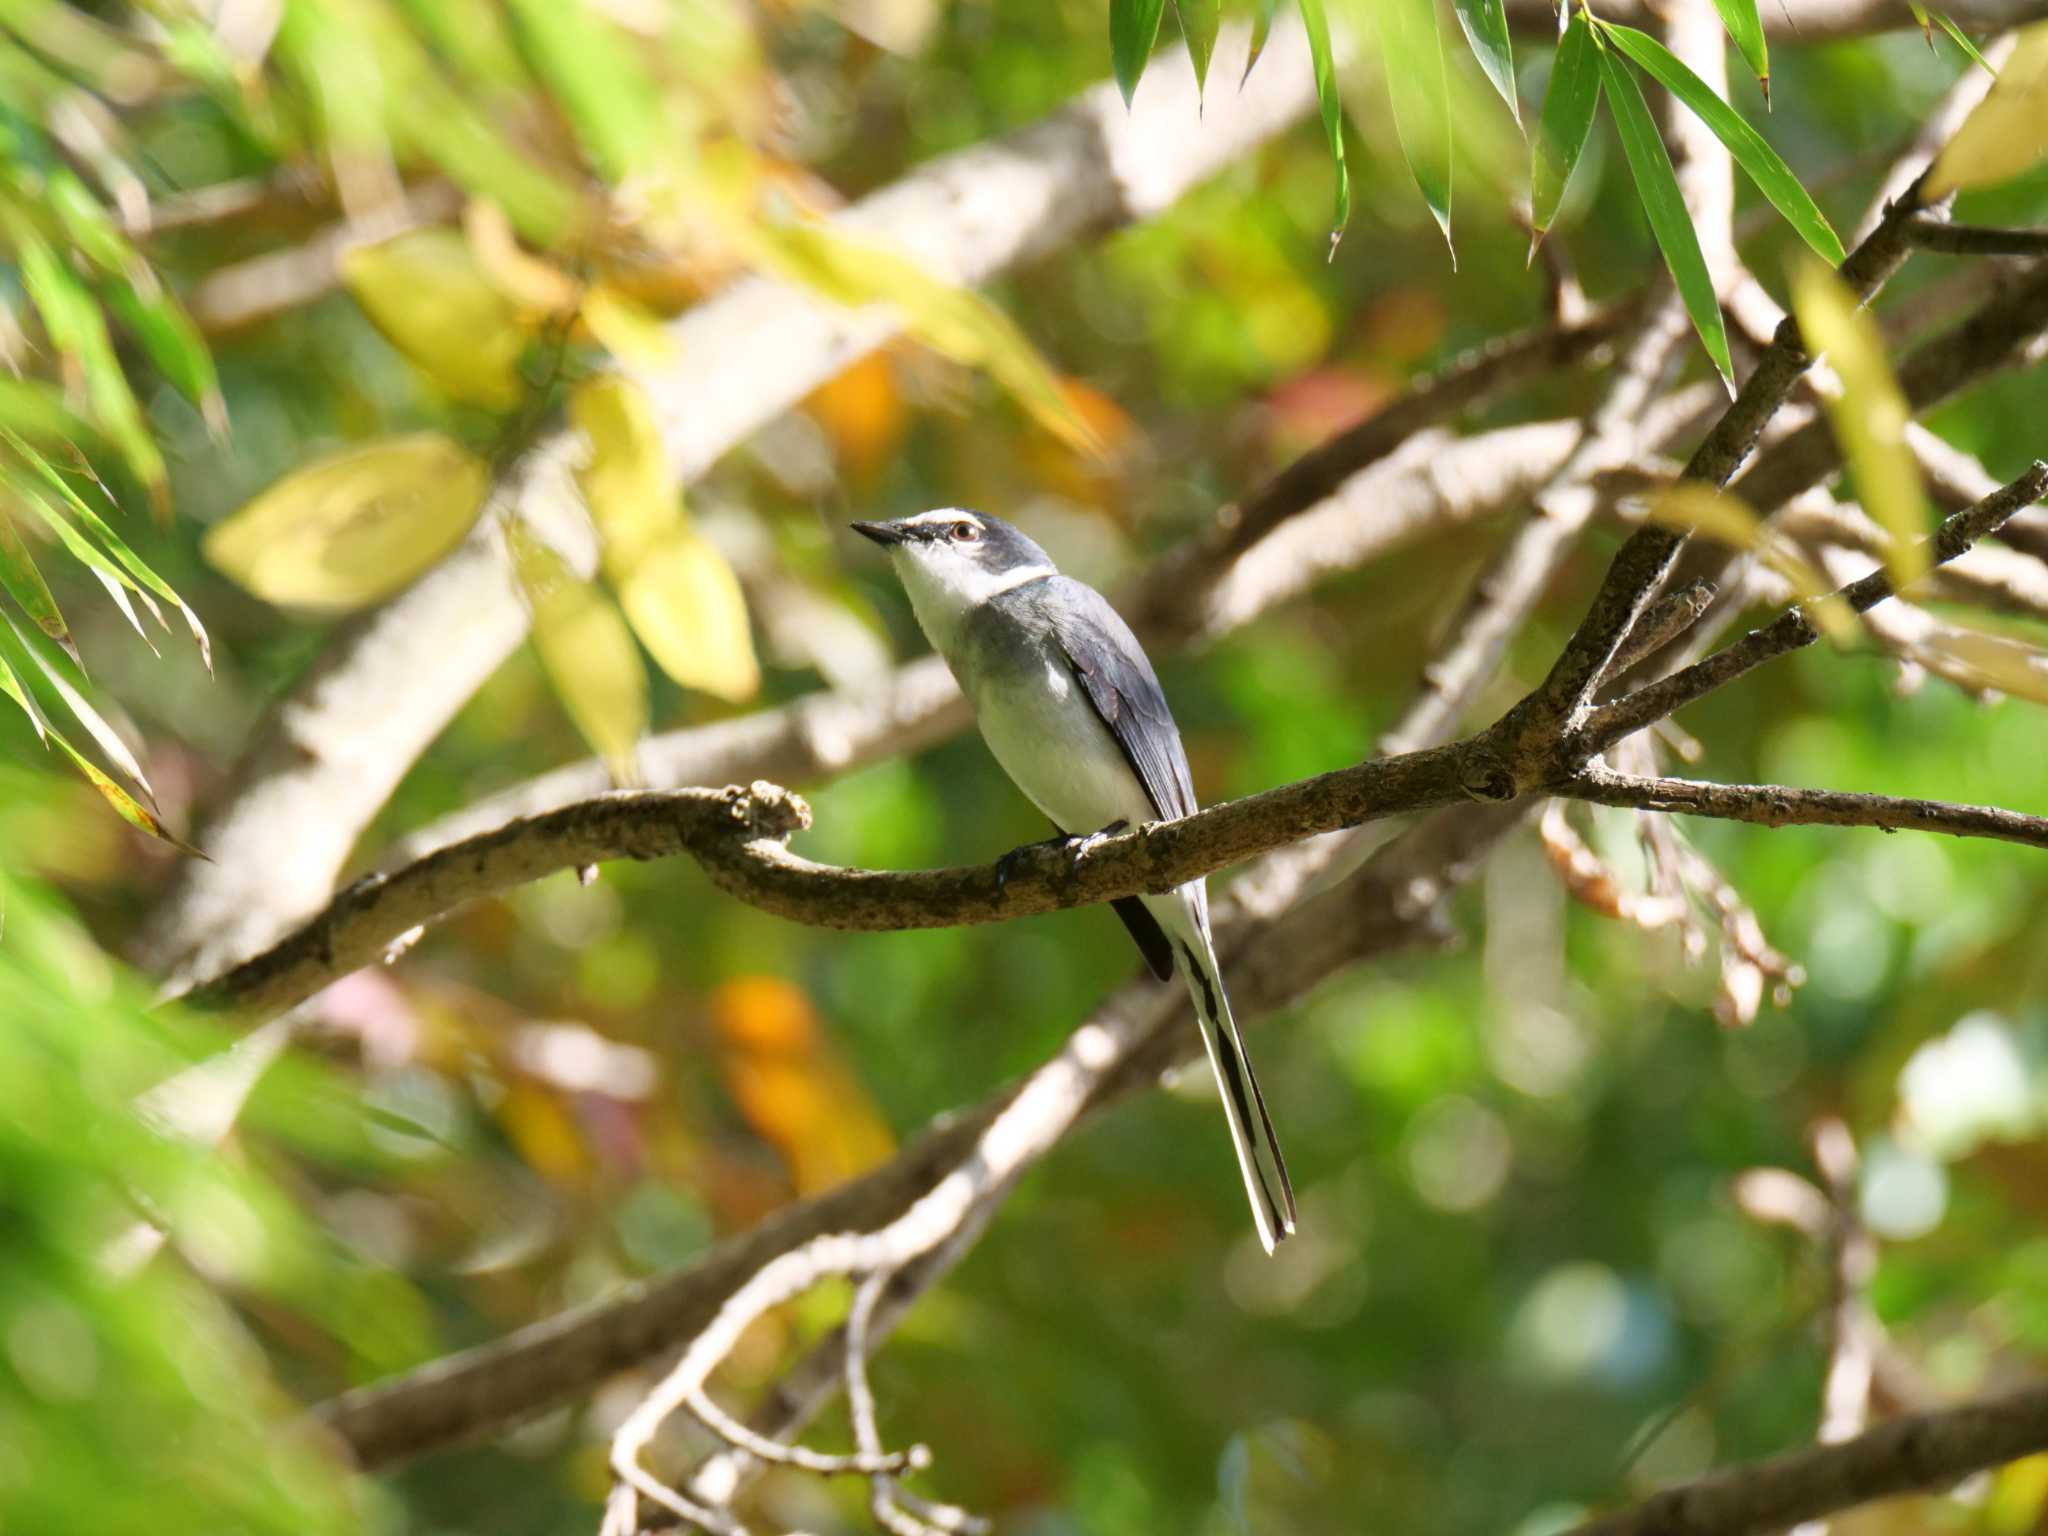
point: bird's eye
(965, 533)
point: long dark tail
(1244, 1107)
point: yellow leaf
(630, 332)
(354, 528)
(1728, 520)
(534, 285)
(954, 320)
(1995, 661)
(1869, 416)
(678, 591)
(587, 651)
(687, 607)
(429, 295)
(625, 477)
(2008, 131)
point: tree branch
(1976, 239)
(1778, 805)
(1926, 1452)
(1794, 629)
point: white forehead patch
(944, 515)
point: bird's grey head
(951, 562)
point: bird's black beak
(883, 534)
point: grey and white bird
(1072, 710)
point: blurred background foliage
(1524, 1283)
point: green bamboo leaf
(1665, 208)
(1747, 28)
(174, 344)
(24, 496)
(36, 409)
(1133, 28)
(1262, 29)
(1199, 22)
(104, 735)
(79, 331)
(1758, 160)
(1485, 25)
(1926, 21)
(2007, 132)
(602, 86)
(25, 584)
(134, 564)
(1561, 131)
(1969, 48)
(1870, 414)
(1418, 89)
(1317, 22)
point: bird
(1071, 709)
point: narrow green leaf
(1317, 21)
(25, 584)
(17, 690)
(1418, 90)
(1926, 21)
(173, 343)
(1567, 119)
(1969, 48)
(79, 331)
(104, 735)
(1200, 20)
(1758, 160)
(1747, 28)
(1262, 29)
(1485, 25)
(1657, 184)
(134, 564)
(604, 90)
(1133, 28)
(36, 409)
(79, 547)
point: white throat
(945, 589)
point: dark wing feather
(1118, 679)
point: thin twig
(1976, 239)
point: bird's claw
(1077, 848)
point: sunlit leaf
(430, 297)
(956, 321)
(1657, 185)
(1418, 90)
(14, 663)
(78, 330)
(1316, 21)
(354, 528)
(174, 344)
(1758, 160)
(599, 81)
(1199, 23)
(25, 584)
(2008, 132)
(1485, 25)
(1133, 28)
(1962, 41)
(587, 651)
(1747, 29)
(687, 607)
(1870, 414)
(29, 499)
(625, 477)
(1920, 14)
(1567, 119)
(1725, 518)
(36, 410)
(144, 579)
(1262, 31)
(1997, 661)
(630, 332)
(678, 591)
(536, 286)
(104, 735)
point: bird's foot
(1078, 848)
